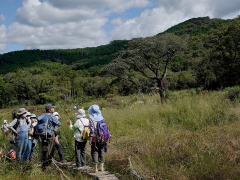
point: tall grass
(192, 136)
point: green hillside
(196, 26)
(78, 59)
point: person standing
(34, 141)
(20, 127)
(5, 129)
(58, 146)
(47, 135)
(98, 148)
(80, 143)
(27, 153)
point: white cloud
(3, 38)
(2, 18)
(64, 24)
(216, 8)
(151, 22)
(113, 5)
(51, 24)
(43, 26)
(117, 21)
(36, 13)
(172, 12)
(59, 36)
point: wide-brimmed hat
(80, 113)
(95, 113)
(21, 111)
(49, 106)
(56, 114)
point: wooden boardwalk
(101, 175)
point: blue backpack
(103, 132)
(42, 126)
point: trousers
(97, 152)
(22, 141)
(80, 152)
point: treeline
(53, 82)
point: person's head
(28, 115)
(50, 108)
(56, 115)
(80, 114)
(33, 119)
(5, 122)
(95, 113)
(22, 112)
(33, 116)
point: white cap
(33, 116)
(80, 113)
(56, 114)
(5, 121)
(28, 114)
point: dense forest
(210, 60)
(77, 59)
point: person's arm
(10, 126)
(75, 126)
(29, 126)
(56, 122)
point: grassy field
(192, 136)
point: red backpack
(12, 154)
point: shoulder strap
(82, 122)
(83, 126)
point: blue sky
(67, 24)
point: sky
(69, 24)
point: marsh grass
(192, 136)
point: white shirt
(79, 124)
(4, 127)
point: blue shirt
(52, 121)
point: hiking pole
(60, 173)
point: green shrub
(233, 93)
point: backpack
(103, 132)
(17, 124)
(42, 126)
(86, 132)
(12, 154)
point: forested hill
(196, 26)
(78, 59)
(91, 59)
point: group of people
(27, 131)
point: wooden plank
(101, 175)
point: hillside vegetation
(78, 59)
